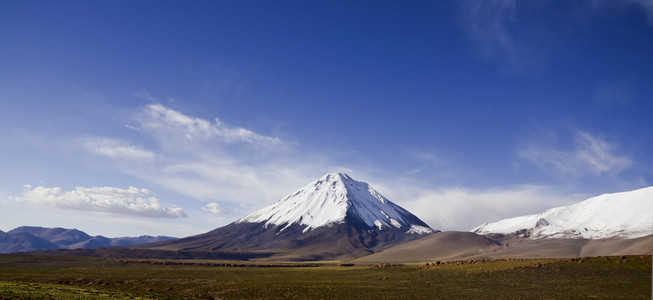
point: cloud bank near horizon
(131, 201)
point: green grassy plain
(66, 277)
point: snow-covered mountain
(621, 215)
(329, 200)
(334, 217)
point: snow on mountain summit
(622, 215)
(330, 200)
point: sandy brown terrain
(466, 245)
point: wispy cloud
(488, 24)
(209, 160)
(427, 157)
(213, 208)
(158, 117)
(132, 201)
(588, 154)
(426, 161)
(520, 36)
(116, 149)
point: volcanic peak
(332, 199)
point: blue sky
(169, 118)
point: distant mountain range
(334, 217)
(27, 238)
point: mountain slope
(23, 242)
(30, 238)
(334, 217)
(620, 215)
(59, 236)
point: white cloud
(589, 155)
(145, 95)
(132, 201)
(599, 155)
(487, 21)
(212, 161)
(159, 117)
(233, 181)
(213, 208)
(116, 149)
(461, 208)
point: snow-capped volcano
(330, 199)
(334, 217)
(621, 215)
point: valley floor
(66, 277)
